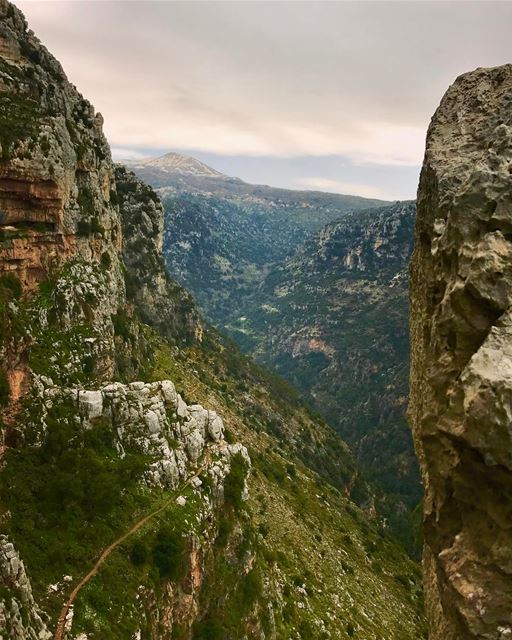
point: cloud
(349, 188)
(280, 79)
(122, 153)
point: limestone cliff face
(57, 187)
(161, 302)
(65, 326)
(461, 378)
(56, 173)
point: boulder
(91, 404)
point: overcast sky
(334, 95)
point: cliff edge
(461, 369)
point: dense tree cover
(66, 493)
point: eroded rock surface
(160, 300)
(20, 617)
(57, 191)
(461, 378)
(153, 419)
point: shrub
(83, 228)
(106, 260)
(11, 285)
(235, 482)
(120, 322)
(5, 389)
(139, 553)
(224, 531)
(168, 553)
(96, 227)
(251, 589)
(291, 470)
(211, 629)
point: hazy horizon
(332, 96)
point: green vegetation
(301, 526)
(279, 557)
(10, 285)
(234, 483)
(69, 495)
(19, 120)
(330, 318)
(5, 389)
(167, 553)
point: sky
(335, 96)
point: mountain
(177, 170)
(154, 482)
(461, 297)
(327, 311)
(223, 235)
(174, 172)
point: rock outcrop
(153, 419)
(461, 378)
(160, 301)
(20, 617)
(56, 173)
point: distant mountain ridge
(178, 163)
(222, 235)
(177, 172)
(318, 292)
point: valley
(318, 293)
(230, 411)
(115, 392)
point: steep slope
(333, 320)
(461, 294)
(222, 234)
(83, 456)
(162, 303)
(106, 453)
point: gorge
(156, 483)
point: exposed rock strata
(461, 378)
(153, 419)
(56, 175)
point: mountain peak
(177, 163)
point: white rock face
(91, 404)
(20, 617)
(215, 426)
(152, 421)
(151, 418)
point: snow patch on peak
(178, 164)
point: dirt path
(61, 622)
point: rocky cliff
(129, 507)
(461, 385)
(56, 174)
(56, 182)
(161, 302)
(81, 449)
